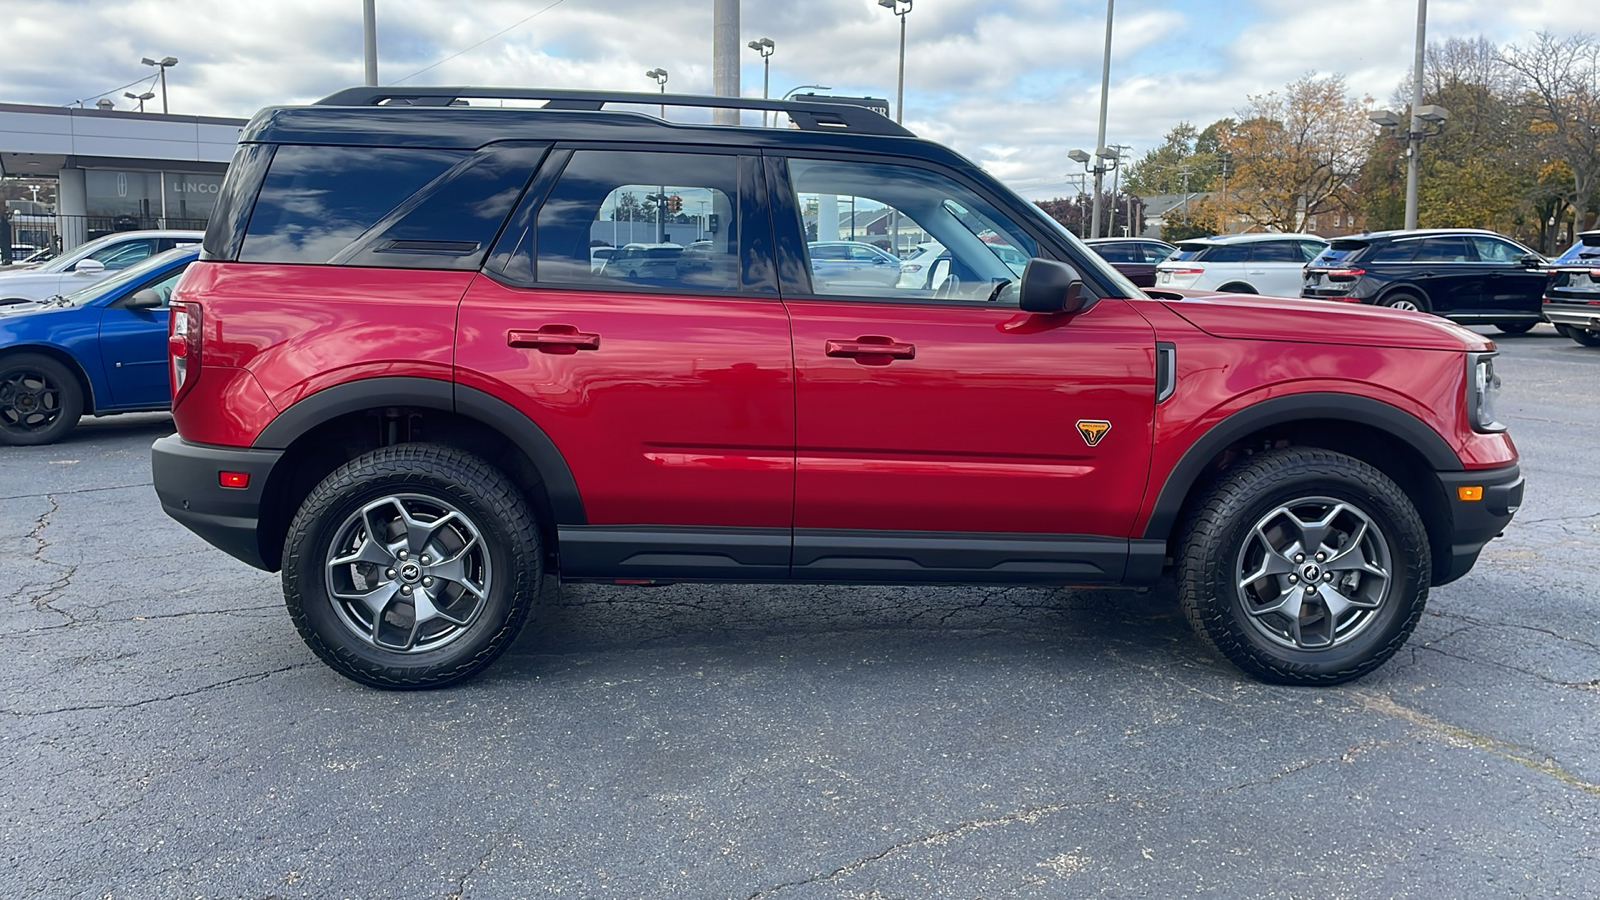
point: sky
(1012, 84)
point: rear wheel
(40, 399)
(1514, 327)
(1304, 566)
(1585, 336)
(412, 566)
(1406, 301)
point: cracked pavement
(164, 733)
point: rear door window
(1451, 248)
(1227, 253)
(1277, 252)
(1114, 252)
(1395, 252)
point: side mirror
(1532, 261)
(88, 267)
(145, 299)
(1051, 287)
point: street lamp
(1099, 170)
(899, 8)
(1423, 116)
(147, 95)
(165, 64)
(660, 76)
(765, 48)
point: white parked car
(89, 263)
(1270, 264)
(916, 269)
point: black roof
(1414, 233)
(436, 118)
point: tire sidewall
(71, 399)
(514, 577)
(1378, 640)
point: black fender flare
(1314, 406)
(434, 393)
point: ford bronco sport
(399, 378)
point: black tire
(40, 400)
(1514, 327)
(1220, 535)
(1588, 337)
(1237, 287)
(1563, 330)
(1404, 300)
(492, 536)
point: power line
(114, 90)
(481, 43)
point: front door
(668, 388)
(1510, 286)
(942, 433)
(133, 346)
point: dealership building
(116, 170)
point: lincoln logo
(1093, 430)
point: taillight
(1345, 274)
(1176, 271)
(183, 346)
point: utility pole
(369, 39)
(725, 57)
(1100, 139)
(1414, 140)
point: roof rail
(828, 117)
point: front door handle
(871, 349)
(563, 339)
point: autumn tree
(1560, 83)
(1296, 152)
(1185, 156)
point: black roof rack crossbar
(835, 117)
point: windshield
(131, 275)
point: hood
(1252, 318)
(12, 310)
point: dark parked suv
(1466, 275)
(399, 378)
(1572, 296)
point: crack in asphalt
(1033, 815)
(93, 707)
(114, 487)
(1514, 625)
(1523, 756)
(253, 612)
(461, 883)
(42, 601)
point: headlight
(1483, 392)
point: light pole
(765, 48)
(1116, 179)
(147, 95)
(899, 8)
(660, 77)
(166, 63)
(1100, 138)
(1414, 143)
(1099, 171)
(369, 41)
(1422, 116)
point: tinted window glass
(1309, 250)
(225, 231)
(1337, 252)
(1491, 250)
(1277, 252)
(317, 200)
(1227, 253)
(1581, 252)
(651, 205)
(449, 223)
(1397, 251)
(1189, 251)
(1154, 253)
(1114, 252)
(1443, 249)
(985, 252)
(124, 254)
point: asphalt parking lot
(164, 732)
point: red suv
(399, 377)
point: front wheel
(1514, 327)
(412, 566)
(40, 399)
(1304, 566)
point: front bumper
(1475, 523)
(186, 479)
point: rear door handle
(871, 349)
(561, 339)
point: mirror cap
(145, 299)
(1049, 286)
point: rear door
(942, 433)
(669, 395)
(1277, 267)
(1448, 269)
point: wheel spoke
(369, 552)
(1314, 534)
(376, 600)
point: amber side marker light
(233, 479)
(1470, 493)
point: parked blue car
(99, 351)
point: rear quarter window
(316, 201)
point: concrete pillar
(725, 57)
(72, 208)
(827, 217)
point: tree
(1186, 155)
(628, 208)
(1296, 153)
(1560, 80)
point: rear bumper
(1577, 315)
(186, 480)
(1477, 522)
